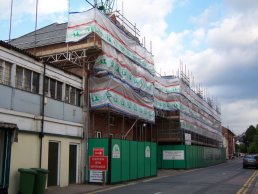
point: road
(224, 178)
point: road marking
(158, 193)
(248, 183)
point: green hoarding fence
(188, 157)
(133, 160)
(125, 164)
(153, 159)
(116, 161)
(140, 160)
(128, 160)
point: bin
(27, 180)
(40, 180)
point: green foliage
(249, 134)
(250, 140)
(242, 148)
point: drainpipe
(41, 134)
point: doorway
(53, 163)
(73, 160)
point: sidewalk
(91, 188)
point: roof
(10, 47)
(52, 34)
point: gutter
(41, 134)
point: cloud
(242, 6)
(221, 53)
(240, 114)
(221, 49)
(28, 8)
(149, 15)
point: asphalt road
(224, 178)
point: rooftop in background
(52, 34)
(56, 33)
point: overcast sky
(216, 39)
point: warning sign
(98, 151)
(98, 163)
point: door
(5, 149)
(53, 163)
(72, 164)
(1, 154)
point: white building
(37, 131)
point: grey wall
(26, 102)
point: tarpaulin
(81, 24)
(196, 115)
(109, 91)
(124, 69)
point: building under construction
(123, 97)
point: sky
(217, 40)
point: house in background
(228, 142)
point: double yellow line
(248, 183)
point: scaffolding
(120, 82)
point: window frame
(75, 92)
(5, 80)
(56, 84)
(20, 80)
(98, 134)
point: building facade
(98, 81)
(40, 129)
(228, 142)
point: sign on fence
(96, 176)
(173, 154)
(98, 163)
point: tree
(242, 148)
(253, 148)
(249, 135)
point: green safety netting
(81, 24)
(111, 92)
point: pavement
(94, 188)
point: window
(53, 88)
(46, 81)
(35, 83)
(72, 95)
(98, 134)
(5, 72)
(27, 80)
(59, 86)
(19, 76)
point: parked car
(250, 161)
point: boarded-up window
(5, 72)
(27, 80)
(59, 86)
(72, 95)
(19, 77)
(53, 88)
(35, 83)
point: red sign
(98, 163)
(98, 151)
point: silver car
(250, 161)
